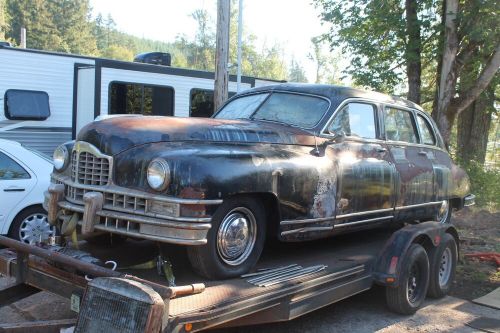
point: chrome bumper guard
(92, 216)
(470, 200)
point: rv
(48, 97)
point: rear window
(293, 109)
(26, 105)
(399, 125)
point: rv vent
(155, 58)
(3, 43)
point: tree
(56, 25)
(465, 37)
(327, 68)
(296, 72)
(388, 40)
(3, 20)
(118, 52)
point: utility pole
(22, 43)
(221, 53)
(240, 33)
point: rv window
(202, 102)
(26, 105)
(148, 100)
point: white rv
(48, 97)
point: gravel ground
(363, 313)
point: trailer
(48, 97)
(291, 279)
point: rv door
(84, 97)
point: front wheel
(235, 241)
(31, 226)
(410, 293)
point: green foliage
(296, 72)
(374, 32)
(3, 20)
(485, 184)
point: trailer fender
(387, 268)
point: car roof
(336, 94)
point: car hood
(116, 134)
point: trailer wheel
(408, 296)
(235, 241)
(443, 262)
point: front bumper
(96, 212)
(470, 200)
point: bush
(485, 184)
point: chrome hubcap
(236, 236)
(35, 228)
(443, 211)
(445, 267)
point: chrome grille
(88, 169)
(113, 201)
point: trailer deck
(350, 261)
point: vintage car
(292, 162)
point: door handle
(423, 153)
(14, 189)
(381, 150)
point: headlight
(158, 174)
(61, 157)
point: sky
(291, 23)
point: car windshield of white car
(292, 109)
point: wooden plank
(15, 293)
(39, 326)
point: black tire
(33, 211)
(106, 239)
(208, 260)
(408, 296)
(443, 263)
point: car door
(415, 174)
(15, 184)
(365, 182)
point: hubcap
(236, 236)
(443, 211)
(35, 228)
(412, 291)
(445, 267)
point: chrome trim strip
(369, 212)
(130, 192)
(306, 229)
(362, 221)
(338, 217)
(433, 203)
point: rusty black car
(289, 162)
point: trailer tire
(408, 296)
(240, 217)
(443, 262)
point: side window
(26, 105)
(201, 102)
(10, 170)
(426, 131)
(399, 125)
(355, 119)
(135, 98)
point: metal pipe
(87, 268)
(267, 270)
(289, 275)
(259, 278)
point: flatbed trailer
(351, 264)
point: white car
(24, 176)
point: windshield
(292, 109)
